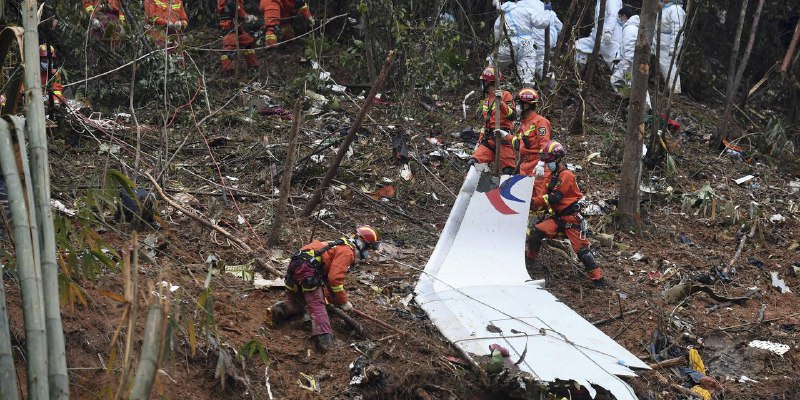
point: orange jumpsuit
(534, 130)
(302, 293)
(559, 198)
(111, 18)
(228, 10)
(51, 84)
(484, 152)
(161, 13)
(278, 13)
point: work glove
(606, 38)
(311, 20)
(96, 23)
(538, 171)
(503, 134)
(250, 18)
(470, 163)
(498, 93)
(346, 306)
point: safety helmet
(529, 96)
(491, 74)
(369, 235)
(552, 151)
(43, 51)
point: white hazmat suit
(538, 39)
(612, 34)
(672, 20)
(622, 74)
(522, 18)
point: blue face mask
(551, 166)
(620, 23)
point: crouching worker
(558, 195)
(316, 267)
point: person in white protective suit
(538, 38)
(622, 73)
(612, 35)
(522, 18)
(672, 18)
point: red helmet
(369, 236)
(491, 74)
(529, 96)
(552, 151)
(43, 51)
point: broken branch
(379, 322)
(316, 198)
(193, 215)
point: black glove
(555, 197)
(471, 162)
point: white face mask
(551, 166)
(361, 250)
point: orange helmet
(43, 51)
(491, 74)
(552, 151)
(529, 96)
(369, 235)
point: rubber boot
(324, 342)
(592, 270)
(287, 32)
(251, 60)
(278, 314)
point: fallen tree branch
(614, 318)
(672, 362)
(352, 323)
(193, 215)
(379, 322)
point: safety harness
(572, 209)
(485, 137)
(313, 258)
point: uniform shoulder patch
(542, 131)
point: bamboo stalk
(8, 377)
(286, 180)
(148, 363)
(29, 274)
(57, 361)
(316, 198)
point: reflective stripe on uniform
(90, 9)
(336, 289)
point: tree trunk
(598, 37)
(286, 182)
(547, 40)
(151, 350)
(729, 92)
(726, 114)
(29, 273)
(787, 60)
(8, 377)
(40, 168)
(562, 36)
(316, 198)
(631, 160)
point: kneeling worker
(558, 195)
(319, 266)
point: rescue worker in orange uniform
(106, 20)
(316, 276)
(167, 17)
(484, 151)
(230, 12)
(278, 17)
(533, 132)
(51, 78)
(558, 195)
